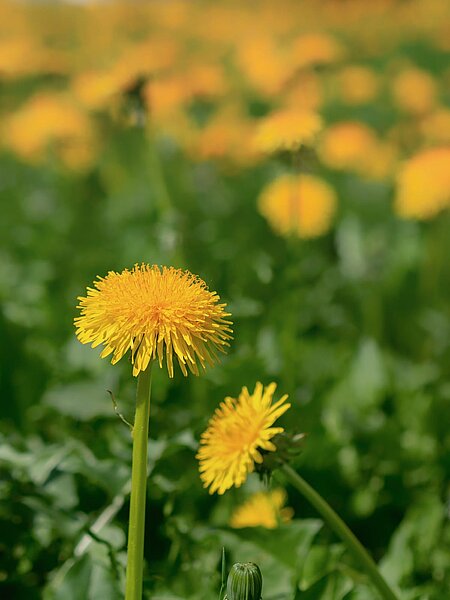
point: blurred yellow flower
(300, 204)
(287, 129)
(19, 56)
(357, 84)
(205, 80)
(423, 184)
(436, 126)
(348, 145)
(152, 312)
(96, 89)
(264, 64)
(165, 96)
(305, 92)
(263, 509)
(414, 91)
(227, 136)
(46, 120)
(315, 49)
(237, 433)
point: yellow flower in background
(155, 313)
(357, 85)
(347, 146)
(436, 126)
(423, 184)
(306, 92)
(414, 91)
(52, 125)
(165, 96)
(96, 89)
(263, 64)
(46, 119)
(287, 129)
(237, 433)
(263, 509)
(312, 49)
(227, 136)
(300, 204)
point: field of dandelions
(293, 155)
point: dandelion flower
(301, 204)
(312, 49)
(287, 129)
(357, 85)
(263, 63)
(155, 313)
(348, 146)
(423, 184)
(414, 91)
(263, 509)
(436, 127)
(237, 433)
(46, 120)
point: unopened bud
(244, 582)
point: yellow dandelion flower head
(347, 145)
(287, 129)
(414, 91)
(306, 92)
(316, 49)
(156, 313)
(300, 204)
(357, 84)
(227, 135)
(263, 509)
(95, 89)
(436, 127)
(44, 119)
(423, 184)
(237, 433)
(264, 64)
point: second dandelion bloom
(263, 509)
(302, 205)
(155, 313)
(238, 434)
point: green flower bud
(244, 582)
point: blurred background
(296, 156)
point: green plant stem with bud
(339, 527)
(136, 526)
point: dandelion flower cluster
(300, 204)
(287, 129)
(237, 433)
(155, 313)
(423, 184)
(263, 509)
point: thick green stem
(136, 526)
(338, 525)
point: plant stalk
(339, 527)
(136, 526)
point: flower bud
(244, 582)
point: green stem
(157, 174)
(338, 525)
(136, 526)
